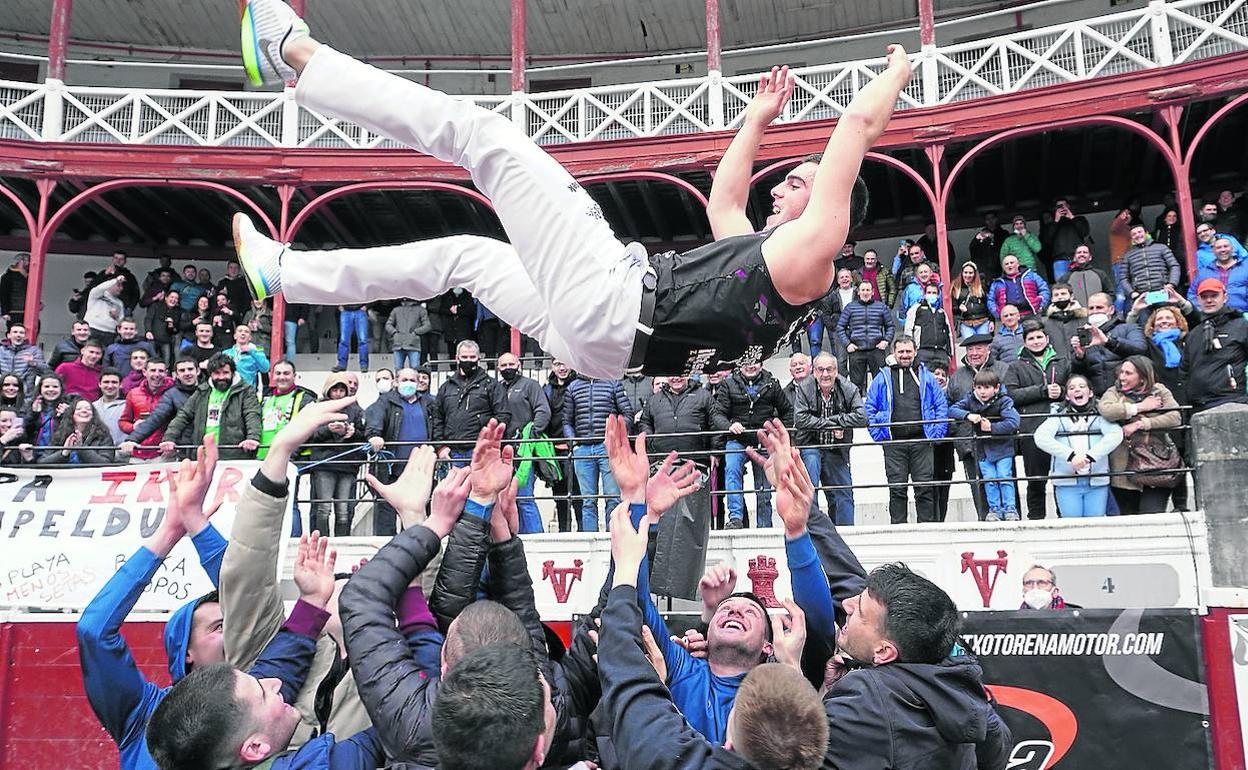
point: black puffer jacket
(691, 410)
(463, 407)
(738, 405)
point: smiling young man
(565, 279)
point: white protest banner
(63, 533)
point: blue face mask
(931, 300)
(406, 389)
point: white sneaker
(260, 258)
(266, 27)
(1011, 515)
(992, 515)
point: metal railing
(1159, 35)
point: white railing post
(290, 119)
(520, 111)
(715, 100)
(931, 77)
(1160, 25)
(53, 109)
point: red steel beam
(300, 7)
(714, 57)
(927, 23)
(58, 37)
(519, 44)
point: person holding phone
(1148, 266)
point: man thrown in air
(564, 279)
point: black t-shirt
(907, 402)
(716, 308)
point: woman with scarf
(1166, 331)
(47, 409)
(333, 481)
(1139, 404)
(970, 302)
(1080, 441)
(82, 439)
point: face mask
(1038, 598)
(933, 301)
(1061, 304)
(467, 368)
(1098, 319)
(509, 375)
(384, 386)
(407, 389)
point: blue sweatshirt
(703, 697)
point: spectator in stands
(383, 379)
(529, 412)
(979, 356)
(248, 356)
(201, 348)
(587, 403)
(970, 302)
(50, 405)
(1018, 286)
(13, 395)
(13, 288)
(1206, 236)
(138, 370)
(1147, 266)
(799, 370)
(994, 422)
(828, 312)
(912, 293)
(1036, 382)
(281, 402)
(927, 242)
(150, 431)
(561, 375)
(1009, 335)
(1100, 346)
(916, 257)
(424, 378)
(1040, 591)
(1140, 405)
(200, 313)
(1166, 333)
(462, 312)
(164, 322)
(353, 382)
(1079, 441)
(985, 248)
(140, 402)
(296, 317)
(749, 398)
(82, 377)
(104, 308)
(204, 276)
(1169, 233)
(1231, 269)
(1228, 219)
(156, 286)
(80, 438)
(1086, 280)
(848, 259)
(906, 392)
(117, 354)
(1216, 351)
(221, 408)
(70, 348)
(11, 437)
(1066, 234)
(352, 321)
(234, 286)
(827, 408)
(259, 318)
(224, 321)
(943, 464)
(1022, 244)
(866, 327)
(20, 358)
(333, 480)
(883, 287)
(1119, 239)
(130, 290)
(681, 406)
(110, 405)
(405, 418)
(407, 324)
(1063, 319)
(77, 303)
(928, 326)
(466, 401)
(639, 389)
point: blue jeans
(530, 518)
(290, 331)
(827, 467)
(352, 322)
(816, 333)
(1081, 500)
(1060, 268)
(412, 358)
(983, 327)
(1000, 494)
(734, 473)
(590, 462)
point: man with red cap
(1216, 350)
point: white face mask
(384, 386)
(1038, 598)
(1098, 319)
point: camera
(1085, 337)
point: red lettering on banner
(227, 487)
(115, 479)
(762, 575)
(985, 572)
(561, 578)
(153, 489)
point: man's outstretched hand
(314, 569)
(667, 486)
(775, 88)
(448, 501)
(505, 518)
(296, 433)
(784, 469)
(628, 544)
(491, 463)
(788, 633)
(630, 466)
(409, 493)
(190, 487)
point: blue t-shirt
(413, 427)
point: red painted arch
(22, 209)
(653, 176)
(1225, 110)
(336, 193)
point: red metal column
(39, 240)
(519, 45)
(276, 351)
(58, 37)
(713, 51)
(927, 23)
(300, 7)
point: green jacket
(1026, 248)
(240, 420)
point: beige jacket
(251, 602)
(1118, 408)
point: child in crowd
(994, 421)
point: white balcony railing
(1159, 35)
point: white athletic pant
(564, 278)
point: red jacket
(80, 379)
(140, 402)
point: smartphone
(1156, 297)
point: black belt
(645, 320)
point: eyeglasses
(1037, 584)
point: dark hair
(490, 710)
(219, 360)
(859, 201)
(15, 325)
(1144, 367)
(91, 342)
(96, 433)
(988, 377)
(284, 362)
(128, 319)
(186, 360)
(919, 618)
(779, 721)
(422, 369)
(1033, 325)
(199, 722)
(1061, 285)
(108, 370)
(480, 624)
(903, 339)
